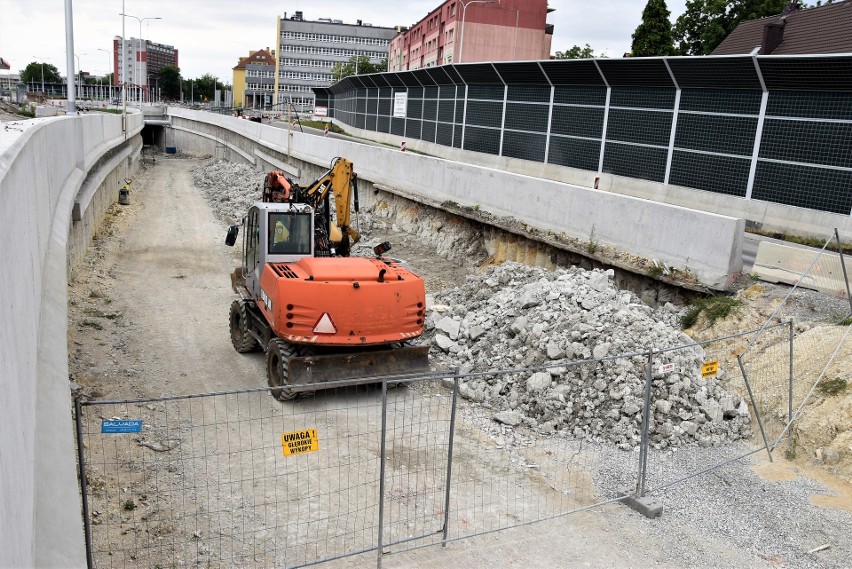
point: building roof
(820, 30)
(261, 56)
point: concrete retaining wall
(709, 245)
(44, 164)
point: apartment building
(254, 80)
(307, 51)
(137, 63)
(465, 32)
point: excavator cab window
(289, 233)
(252, 251)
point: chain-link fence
(815, 353)
(240, 479)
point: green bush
(830, 387)
(713, 308)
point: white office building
(307, 51)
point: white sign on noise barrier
(400, 104)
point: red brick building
(463, 31)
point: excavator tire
(278, 355)
(241, 338)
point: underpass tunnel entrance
(154, 135)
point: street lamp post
(464, 11)
(79, 81)
(109, 65)
(139, 56)
(43, 59)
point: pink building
(463, 31)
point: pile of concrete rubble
(515, 316)
(230, 188)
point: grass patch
(593, 244)
(790, 451)
(655, 271)
(815, 242)
(832, 387)
(91, 324)
(320, 125)
(129, 506)
(712, 307)
(100, 314)
(845, 321)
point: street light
(42, 72)
(138, 57)
(109, 66)
(79, 81)
(464, 10)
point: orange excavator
(320, 314)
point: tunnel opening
(154, 135)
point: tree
(169, 82)
(357, 65)
(32, 73)
(653, 36)
(705, 23)
(202, 89)
(576, 52)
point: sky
(211, 35)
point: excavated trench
(463, 234)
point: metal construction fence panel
(235, 479)
(240, 479)
(718, 411)
(812, 352)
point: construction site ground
(148, 317)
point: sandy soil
(822, 432)
(148, 318)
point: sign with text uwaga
(300, 442)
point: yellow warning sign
(300, 442)
(710, 369)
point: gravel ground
(774, 519)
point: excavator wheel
(278, 355)
(241, 338)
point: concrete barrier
(708, 245)
(43, 165)
(776, 263)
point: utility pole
(69, 57)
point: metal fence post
(450, 441)
(81, 464)
(382, 464)
(790, 394)
(754, 406)
(646, 420)
(843, 268)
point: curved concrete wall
(46, 167)
(708, 244)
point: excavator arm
(343, 184)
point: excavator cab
(273, 233)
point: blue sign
(121, 426)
